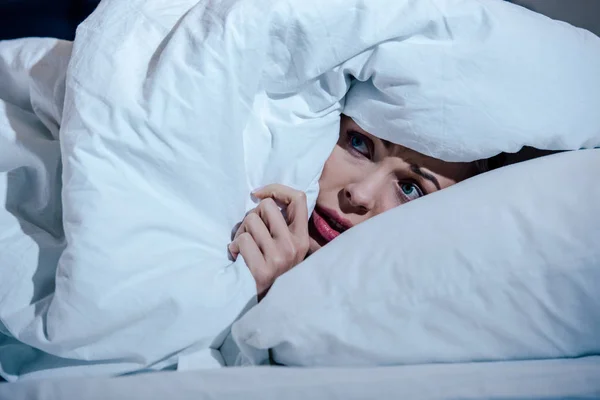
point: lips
(327, 225)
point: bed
(541, 380)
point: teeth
(335, 225)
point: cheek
(335, 171)
(388, 201)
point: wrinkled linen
(170, 113)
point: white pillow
(503, 266)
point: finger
(273, 218)
(247, 247)
(237, 229)
(295, 200)
(255, 226)
(241, 227)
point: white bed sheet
(550, 379)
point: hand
(270, 243)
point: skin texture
(363, 177)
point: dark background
(59, 18)
(582, 13)
(53, 18)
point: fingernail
(233, 256)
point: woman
(363, 177)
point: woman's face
(365, 176)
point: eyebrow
(415, 168)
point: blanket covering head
(174, 111)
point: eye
(410, 191)
(359, 143)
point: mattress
(550, 379)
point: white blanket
(174, 111)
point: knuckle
(303, 245)
(251, 218)
(244, 237)
(267, 203)
(288, 250)
(293, 253)
(278, 261)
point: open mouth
(326, 226)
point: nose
(357, 200)
(362, 195)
